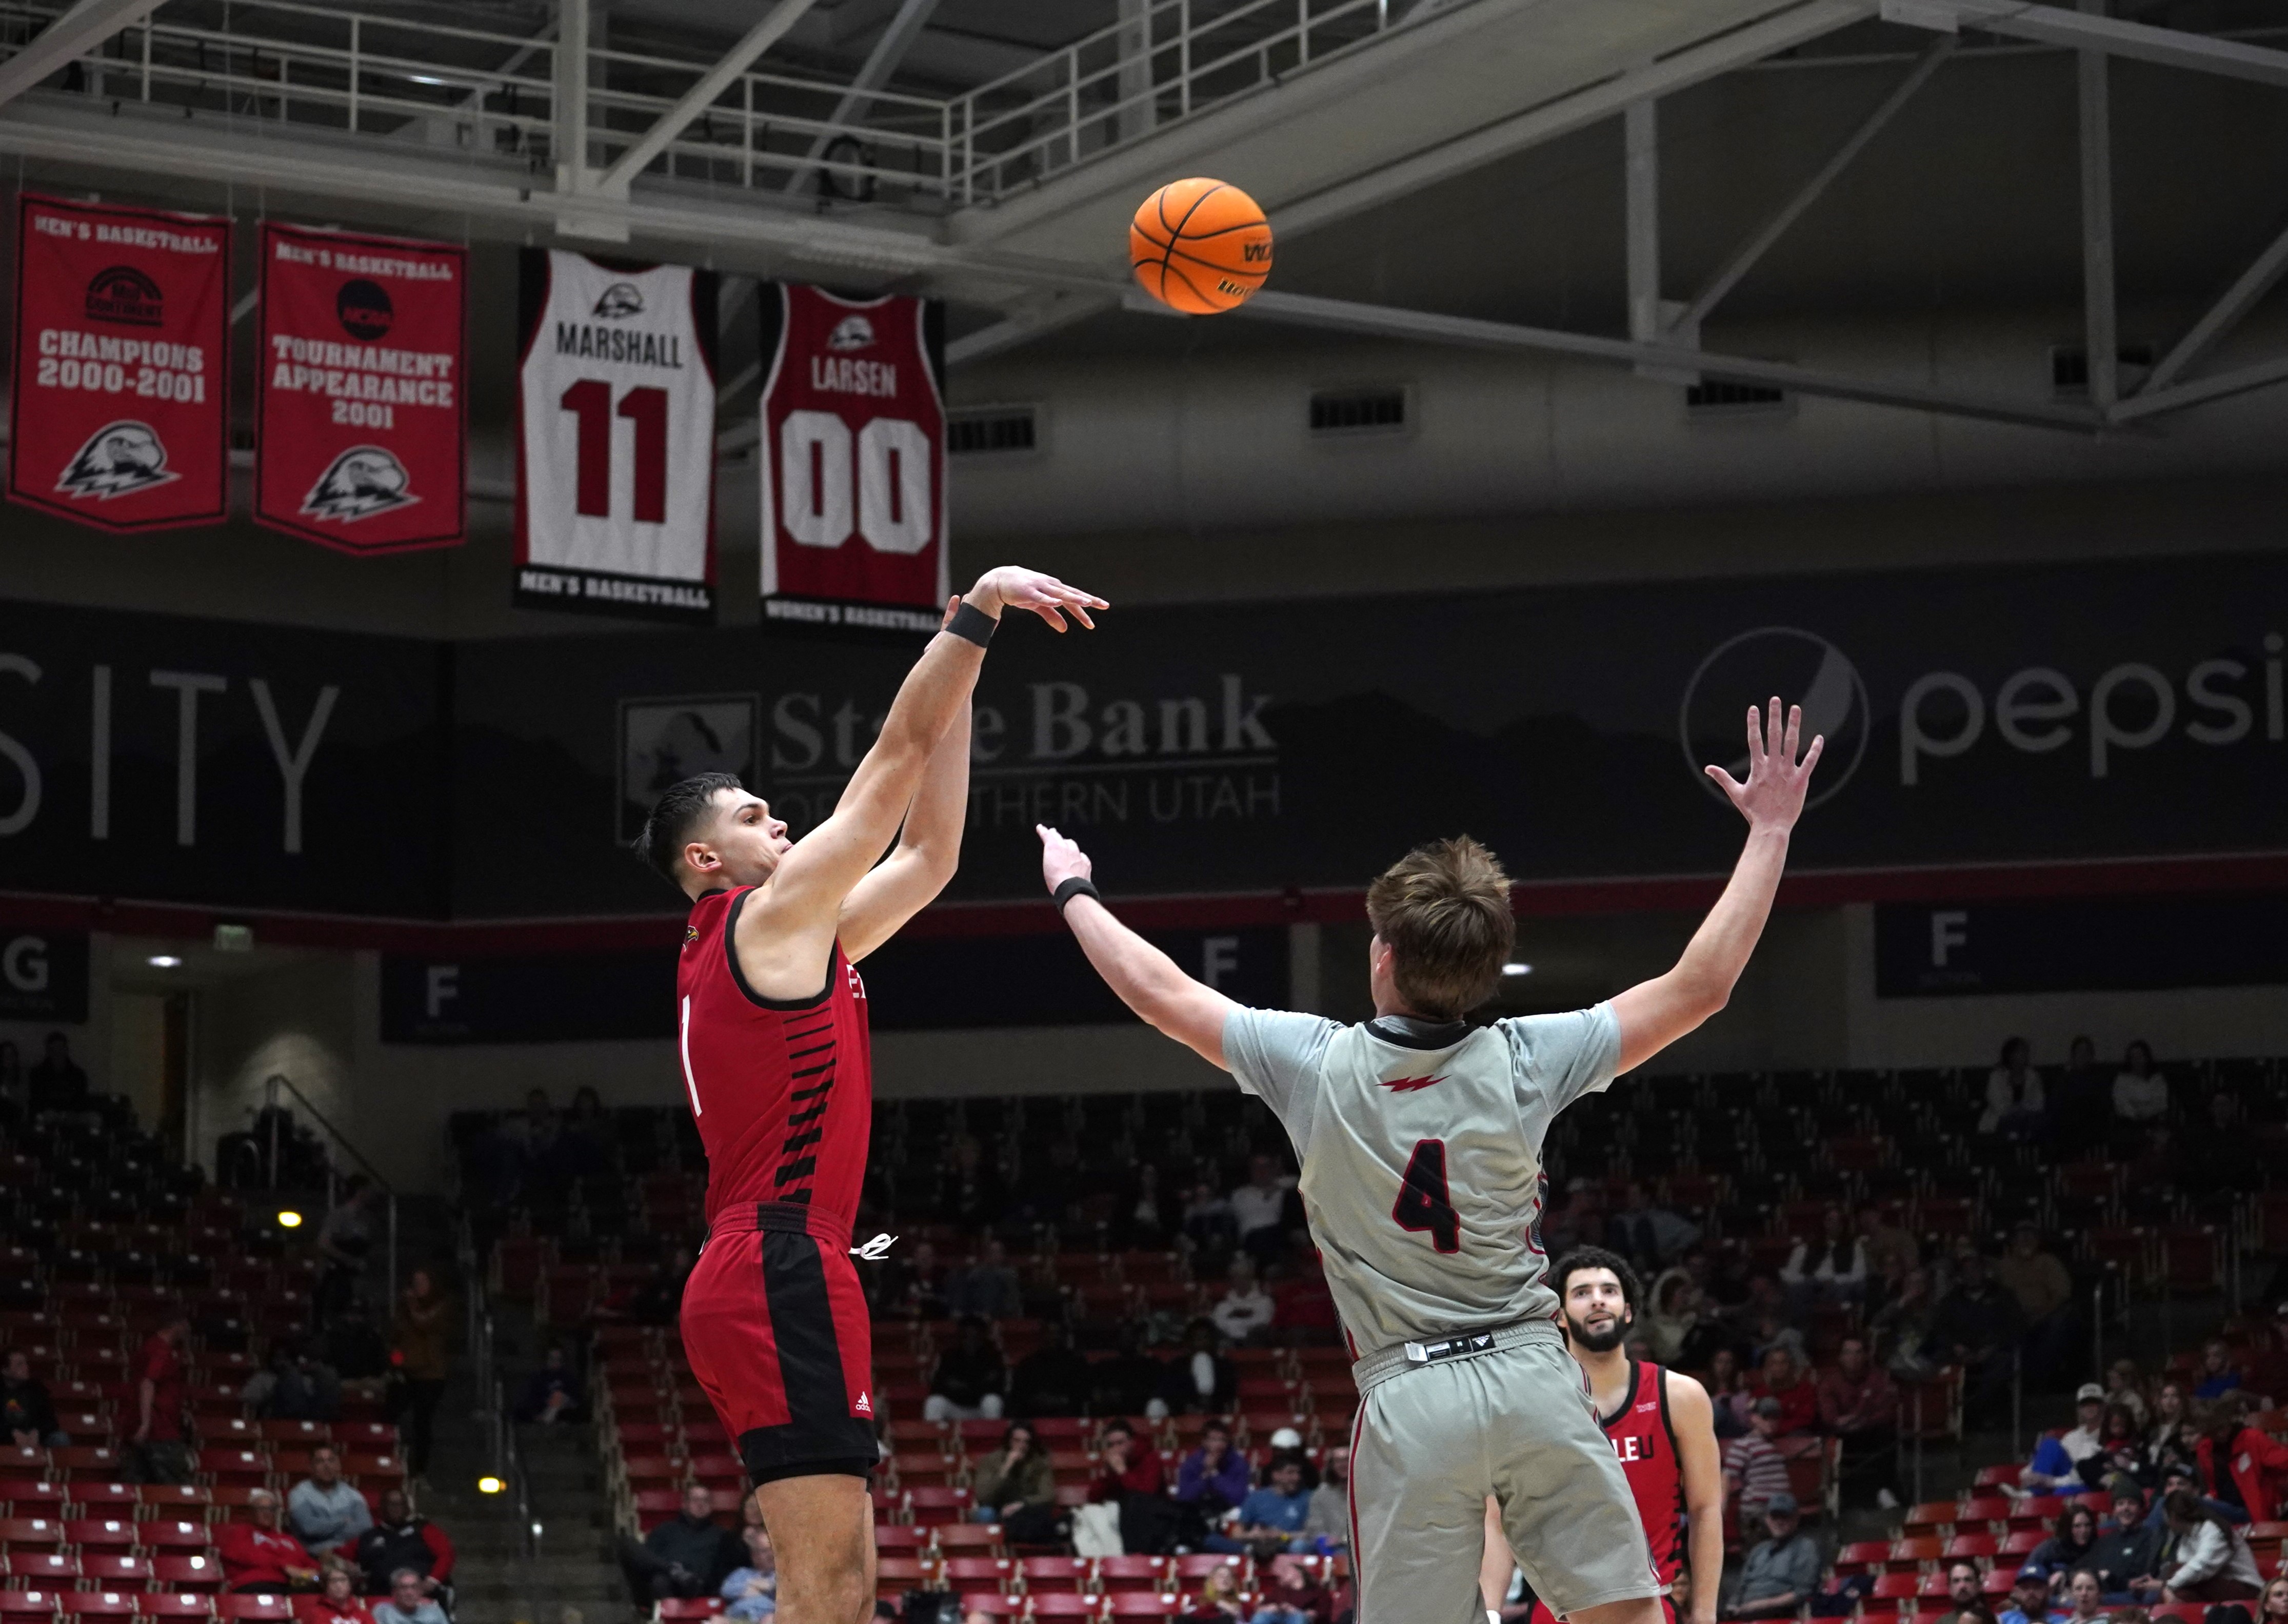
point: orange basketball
(1200, 246)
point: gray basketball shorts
(1433, 1441)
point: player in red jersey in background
(771, 1029)
(1662, 1429)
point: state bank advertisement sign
(2011, 716)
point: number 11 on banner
(591, 401)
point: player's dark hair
(1443, 911)
(674, 816)
(1561, 1277)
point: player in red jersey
(771, 1027)
(1662, 1427)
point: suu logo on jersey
(122, 294)
(852, 332)
(619, 302)
(117, 458)
(364, 311)
(363, 481)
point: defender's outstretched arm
(1655, 1014)
(1147, 979)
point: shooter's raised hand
(1013, 586)
(1773, 796)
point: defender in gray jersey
(1420, 1141)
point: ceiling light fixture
(1517, 969)
(165, 961)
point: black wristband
(1079, 885)
(972, 624)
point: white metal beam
(1049, 314)
(2251, 285)
(913, 16)
(1760, 241)
(2051, 25)
(2262, 375)
(1377, 320)
(2101, 341)
(70, 36)
(568, 137)
(702, 96)
(1640, 200)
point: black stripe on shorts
(820, 1434)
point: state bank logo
(1802, 668)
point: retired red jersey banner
(361, 420)
(853, 459)
(121, 414)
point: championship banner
(121, 411)
(361, 416)
(616, 431)
(853, 459)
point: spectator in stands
(2274, 1610)
(1258, 1207)
(1130, 1380)
(26, 1413)
(1727, 1392)
(2120, 1451)
(2218, 1374)
(1859, 1407)
(1290, 1595)
(1214, 1478)
(156, 1448)
(1303, 1307)
(2241, 1466)
(337, 1601)
(325, 1513)
(2013, 1095)
(552, 1393)
(2171, 1438)
(2081, 1103)
(988, 1288)
(303, 1386)
(1830, 1271)
(2085, 1600)
(1128, 1476)
(1271, 1517)
(1328, 1527)
(401, 1538)
(1755, 1472)
(2127, 1555)
(2141, 1094)
(2029, 1602)
(2214, 1563)
(1016, 1485)
(2125, 1386)
(689, 1554)
(1199, 1380)
(1892, 1253)
(751, 1592)
(1219, 1598)
(916, 1285)
(57, 1083)
(1648, 1234)
(1964, 1602)
(1052, 1380)
(2068, 1548)
(1674, 1316)
(1978, 1326)
(423, 1324)
(345, 1242)
(405, 1604)
(2055, 1466)
(1780, 1572)
(1208, 1227)
(258, 1556)
(1782, 1380)
(2033, 1275)
(970, 1380)
(1141, 1220)
(1245, 1308)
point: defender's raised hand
(1013, 586)
(1773, 796)
(1061, 858)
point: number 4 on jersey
(1423, 1205)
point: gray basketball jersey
(1421, 1152)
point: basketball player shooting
(1421, 1139)
(1662, 1429)
(770, 1020)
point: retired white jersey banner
(616, 461)
(852, 457)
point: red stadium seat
(894, 1539)
(1932, 1517)
(1189, 1570)
(27, 1606)
(968, 1573)
(1912, 1556)
(993, 1607)
(966, 1538)
(1045, 1574)
(97, 1604)
(1895, 1586)
(106, 1498)
(195, 1572)
(30, 1532)
(235, 1468)
(261, 1608)
(1970, 1547)
(100, 1533)
(41, 1570)
(1132, 1575)
(930, 1506)
(174, 1535)
(186, 1605)
(894, 1576)
(34, 1496)
(1063, 1605)
(109, 1572)
(1144, 1606)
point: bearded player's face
(1596, 1314)
(746, 840)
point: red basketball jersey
(1645, 1439)
(782, 1089)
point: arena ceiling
(988, 151)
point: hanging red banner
(119, 416)
(362, 419)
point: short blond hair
(1443, 911)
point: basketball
(1200, 246)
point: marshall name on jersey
(616, 466)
